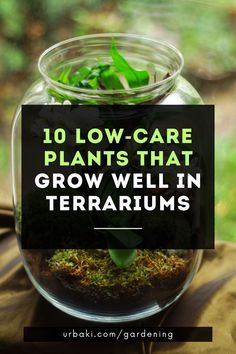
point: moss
(95, 268)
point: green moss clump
(95, 268)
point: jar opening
(139, 51)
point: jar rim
(153, 43)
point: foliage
(225, 188)
(104, 75)
(114, 75)
(122, 257)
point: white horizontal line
(118, 228)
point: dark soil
(90, 280)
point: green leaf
(110, 80)
(122, 257)
(80, 75)
(93, 83)
(135, 78)
(64, 76)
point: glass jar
(105, 301)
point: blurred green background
(205, 32)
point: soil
(90, 279)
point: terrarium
(106, 285)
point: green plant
(118, 74)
